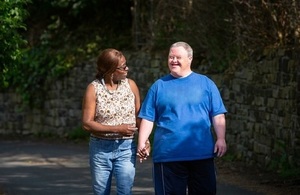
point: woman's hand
(127, 129)
(144, 151)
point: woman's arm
(135, 90)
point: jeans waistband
(111, 136)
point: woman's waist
(111, 136)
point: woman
(110, 107)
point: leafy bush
(62, 33)
(12, 18)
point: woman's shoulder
(95, 85)
(128, 81)
(95, 82)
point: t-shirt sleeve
(217, 105)
(147, 110)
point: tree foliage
(266, 23)
(12, 18)
(219, 31)
(63, 32)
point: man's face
(179, 62)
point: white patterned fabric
(114, 107)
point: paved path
(37, 168)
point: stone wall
(62, 107)
(262, 98)
(263, 101)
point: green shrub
(12, 18)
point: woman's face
(121, 71)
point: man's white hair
(186, 46)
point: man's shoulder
(165, 78)
(199, 76)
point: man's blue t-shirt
(182, 109)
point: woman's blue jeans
(112, 158)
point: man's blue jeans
(112, 158)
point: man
(183, 105)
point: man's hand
(220, 147)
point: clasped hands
(144, 151)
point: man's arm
(219, 124)
(144, 133)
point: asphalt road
(42, 168)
